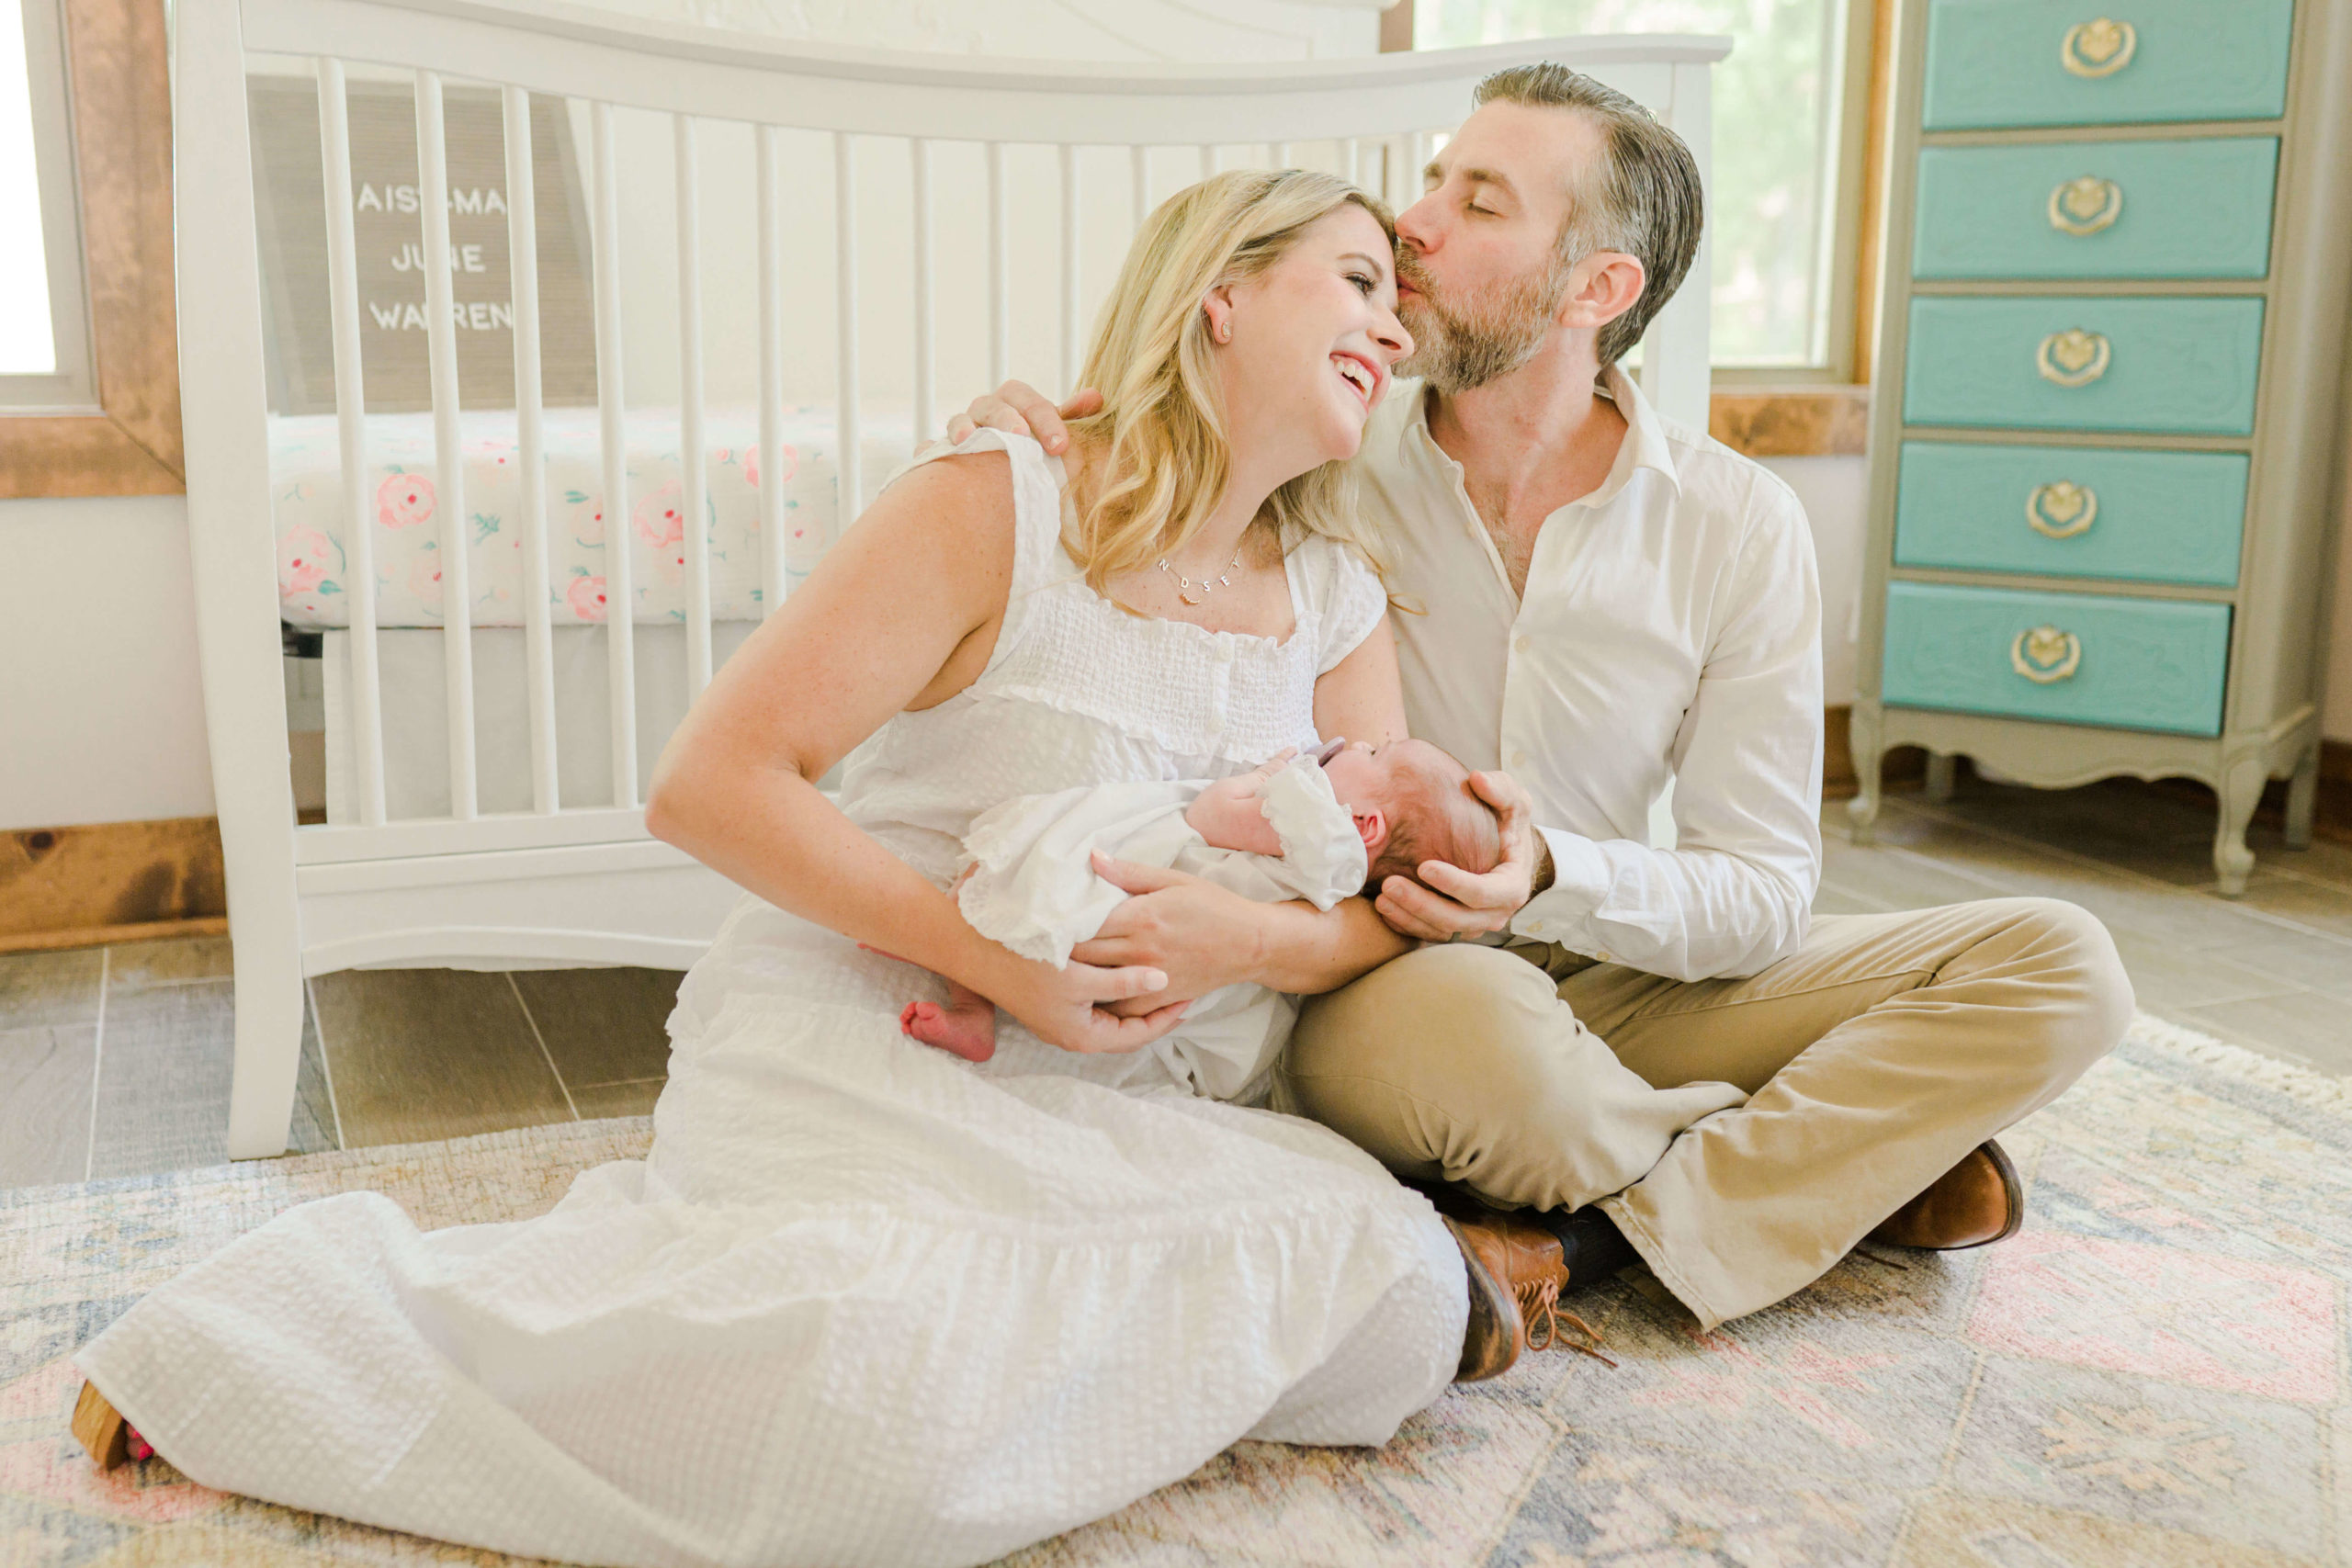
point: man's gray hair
(1644, 199)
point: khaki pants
(1744, 1134)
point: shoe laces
(1539, 1309)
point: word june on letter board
(388, 226)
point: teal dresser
(2104, 425)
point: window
(1784, 186)
(44, 333)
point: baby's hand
(1254, 781)
(1231, 812)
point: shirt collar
(1646, 444)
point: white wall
(1836, 495)
(101, 717)
(2336, 721)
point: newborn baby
(1314, 828)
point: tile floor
(115, 1062)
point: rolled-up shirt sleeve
(1735, 893)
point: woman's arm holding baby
(902, 614)
(1204, 936)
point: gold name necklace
(1185, 586)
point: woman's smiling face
(1310, 340)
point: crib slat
(1351, 159)
(1417, 158)
(920, 152)
(448, 447)
(999, 272)
(694, 455)
(351, 414)
(771, 487)
(620, 601)
(523, 268)
(847, 445)
(1282, 155)
(1208, 160)
(1071, 346)
(1139, 180)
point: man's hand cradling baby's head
(1425, 809)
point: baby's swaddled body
(1033, 887)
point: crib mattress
(404, 509)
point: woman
(864, 1303)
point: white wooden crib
(476, 887)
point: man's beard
(1480, 335)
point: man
(1654, 1048)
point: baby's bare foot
(965, 1032)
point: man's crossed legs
(1744, 1134)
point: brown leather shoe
(100, 1428)
(1516, 1277)
(1978, 1201)
(1495, 1334)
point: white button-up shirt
(1670, 630)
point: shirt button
(1519, 645)
(1224, 653)
(1519, 758)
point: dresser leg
(2302, 800)
(1861, 741)
(1940, 770)
(2240, 792)
(1862, 812)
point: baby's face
(1362, 775)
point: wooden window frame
(118, 58)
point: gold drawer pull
(2085, 206)
(2046, 655)
(2074, 358)
(2098, 48)
(2061, 509)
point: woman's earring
(1223, 333)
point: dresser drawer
(2166, 366)
(2130, 663)
(2072, 512)
(1994, 62)
(2097, 210)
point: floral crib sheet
(405, 511)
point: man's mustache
(1410, 271)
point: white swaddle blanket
(1033, 888)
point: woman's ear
(1219, 308)
(1372, 827)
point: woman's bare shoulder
(956, 513)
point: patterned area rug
(2157, 1372)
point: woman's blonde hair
(1165, 452)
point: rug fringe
(2304, 1085)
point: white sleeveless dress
(862, 1303)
